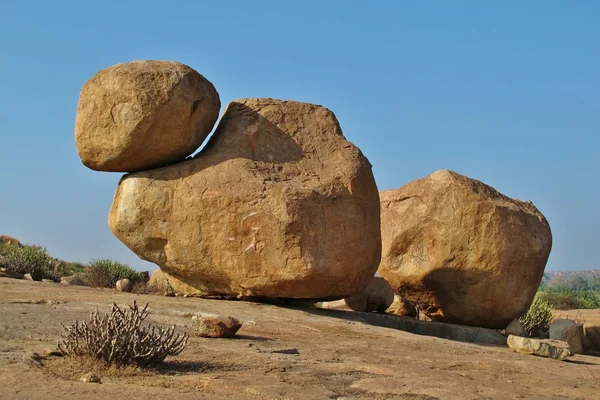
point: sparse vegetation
(68, 268)
(119, 339)
(33, 260)
(105, 273)
(537, 319)
(574, 292)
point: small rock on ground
(554, 349)
(215, 326)
(72, 281)
(90, 378)
(124, 285)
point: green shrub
(68, 268)
(571, 299)
(105, 273)
(33, 260)
(536, 320)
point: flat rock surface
(279, 353)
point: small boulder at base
(591, 331)
(461, 251)
(555, 349)
(515, 328)
(124, 285)
(143, 114)
(73, 280)
(378, 296)
(567, 331)
(277, 205)
(215, 326)
(403, 307)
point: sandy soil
(336, 358)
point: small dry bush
(120, 339)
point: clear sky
(505, 92)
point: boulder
(6, 273)
(555, 349)
(515, 328)
(567, 331)
(403, 307)
(462, 251)
(72, 281)
(158, 282)
(6, 240)
(124, 285)
(377, 296)
(143, 114)
(215, 326)
(278, 204)
(591, 332)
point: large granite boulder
(278, 204)
(462, 251)
(143, 114)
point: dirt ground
(280, 353)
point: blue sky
(504, 92)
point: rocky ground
(280, 353)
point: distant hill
(572, 280)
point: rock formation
(378, 296)
(462, 251)
(143, 114)
(6, 240)
(279, 204)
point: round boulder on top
(278, 204)
(460, 250)
(143, 114)
(6, 240)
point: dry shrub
(119, 339)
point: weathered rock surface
(591, 332)
(403, 307)
(377, 296)
(462, 251)
(567, 331)
(124, 285)
(215, 326)
(72, 281)
(6, 240)
(158, 282)
(143, 114)
(6, 273)
(555, 349)
(515, 328)
(279, 204)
